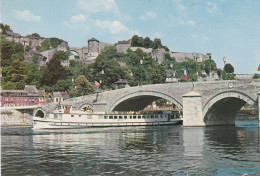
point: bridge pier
(192, 110)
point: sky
(229, 28)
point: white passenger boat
(65, 117)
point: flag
(185, 73)
(49, 95)
(258, 68)
(96, 84)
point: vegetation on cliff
(137, 67)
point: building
(172, 76)
(29, 96)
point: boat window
(125, 117)
(156, 116)
(79, 115)
(134, 117)
(161, 116)
(115, 117)
(143, 117)
(72, 115)
(120, 117)
(130, 117)
(152, 116)
(110, 117)
(105, 117)
(139, 117)
(89, 116)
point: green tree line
(78, 78)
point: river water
(154, 150)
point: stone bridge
(202, 103)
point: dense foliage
(136, 67)
(4, 28)
(229, 68)
(146, 42)
(256, 76)
(48, 44)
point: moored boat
(66, 117)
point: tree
(34, 75)
(14, 73)
(82, 87)
(54, 71)
(61, 55)
(148, 42)
(157, 43)
(229, 68)
(137, 41)
(256, 76)
(34, 36)
(8, 49)
(5, 28)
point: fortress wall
(122, 48)
(102, 45)
(180, 57)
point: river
(153, 150)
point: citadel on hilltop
(91, 51)
(88, 54)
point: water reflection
(161, 150)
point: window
(139, 117)
(120, 117)
(143, 117)
(152, 116)
(130, 117)
(110, 117)
(115, 117)
(105, 117)
(72, 115)
(134, 117)
(125, 117)
(79, 115)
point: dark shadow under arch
(137, 101)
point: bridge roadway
(203, 103)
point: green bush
(256, 76)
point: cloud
(205, 38)
(94, 6)
(213, 9)
(26, 15)
(179, 4)
(157, 35)
(148, 15)
(78, 18)
(192, 23)
(194, 36)
(113, 26)
(134, 32)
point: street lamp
(102, 73)
(224, 60)
(196, 59)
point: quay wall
(15, 118)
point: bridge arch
(39, 113)
(139, 100)
(222, 108)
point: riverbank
(15, 118)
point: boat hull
(39, 123)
